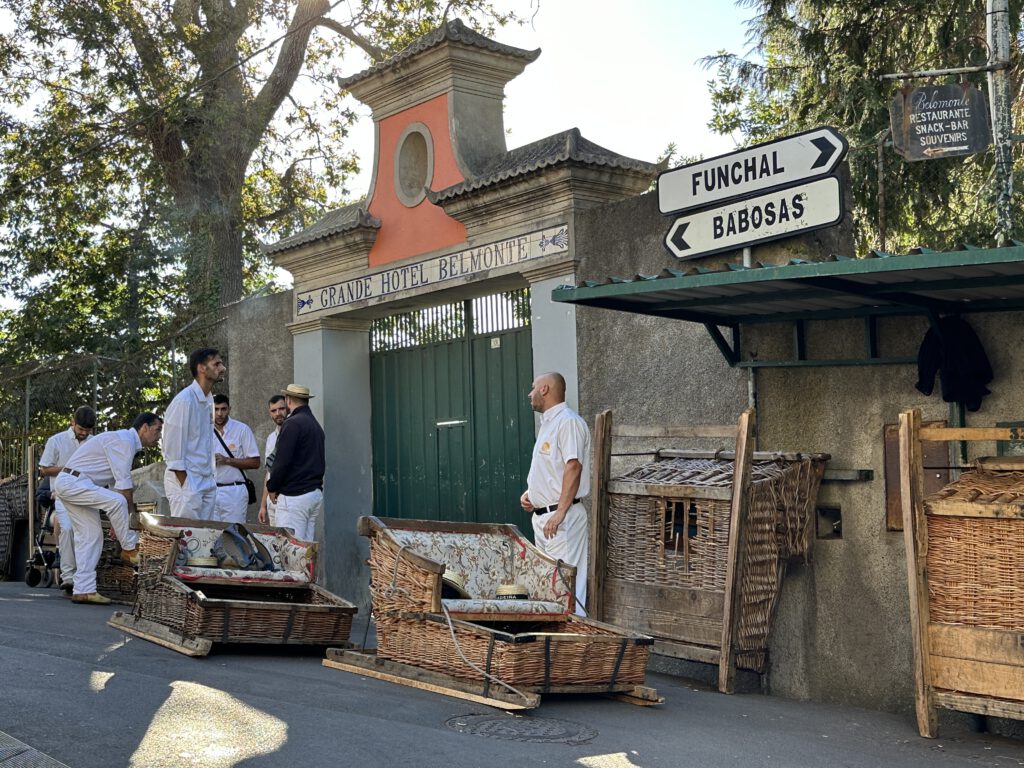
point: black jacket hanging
(956, 353)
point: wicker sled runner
(185, 604)
(499, 647)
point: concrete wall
(259, 357)
(842, 630)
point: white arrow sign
(782, 213)
(778, 163)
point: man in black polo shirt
(296, 480)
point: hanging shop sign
(783, 213)
(779, 163)
(939, 121)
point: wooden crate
(965, 560)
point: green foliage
(816, 63)
(147, 148)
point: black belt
(552, 508)
(72, 472)
(228, 485)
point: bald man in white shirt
(559, 477)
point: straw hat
(512, 592)
(456, 582)
(297, 390)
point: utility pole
(998, 16)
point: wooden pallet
(367, 663)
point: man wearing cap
(106, 460)
(189, 480)
(296, 479)
(559, 477)
(58, 450)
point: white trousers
(65, 542)
(187, 502)
(299, 513)
(84, 500)
(271, 512)
(232, 504)
(570, 545)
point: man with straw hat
(296, 480)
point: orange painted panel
(406, 232)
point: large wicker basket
(291, 613)
(413, 627)
(668, 534)
(976, 564)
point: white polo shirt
(271, 445)
(187, 442)
(59, 448)
(563, 436)
(107, 458)
(242, 442)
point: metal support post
(998, 16)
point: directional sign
(782, 213)
(778, 163)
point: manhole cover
(540, 730)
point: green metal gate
(452, 427)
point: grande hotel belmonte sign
(467, 264)
(762, 193)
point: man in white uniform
(278, 413)
(55, 455)
(559, 477)
(234, 451)
(106, 460)
(189, 480)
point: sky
(628, 79)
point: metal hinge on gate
(452, 423)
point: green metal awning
(921, 282)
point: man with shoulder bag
(234, 451)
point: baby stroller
(43, 565)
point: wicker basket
(679, 544)
(413, 629)
(976, 564)
(235, 613)
(575, 652)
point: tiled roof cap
(568, 146)
(454, 31)
(331, 223)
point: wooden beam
(957, 508)
(915, 538)
(700, 430)
(425, 680)
(956, 641)
(949, 434)
(671, 491)
(601, 472)
(159, 634)
(979, 677)
(980, 705)
(688, 652)
(734, 558)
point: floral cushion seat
(485, 561)
(294, 560)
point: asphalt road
(90, 697)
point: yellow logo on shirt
(545, 448)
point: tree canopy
(147, 147)
(814, 62)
